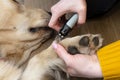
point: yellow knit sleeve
(109, 57)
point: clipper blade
(58, 38)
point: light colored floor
(107, 25)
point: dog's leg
(41, 64)
(33, 70)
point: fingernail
(54, 44)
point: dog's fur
(22, 31)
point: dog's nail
(54, 44)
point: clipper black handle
(68, 26)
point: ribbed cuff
(109, 57)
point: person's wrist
(96, 69)
(90, 67)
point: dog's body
(22, 31)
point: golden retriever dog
(22, 31)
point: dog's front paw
(86, 44)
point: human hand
(79, 65)
(66, 6)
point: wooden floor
(107, 25)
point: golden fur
(16, 36)
(22, 31)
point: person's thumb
(54, 22)
(62, 53)
(82, 17)
(58, 10)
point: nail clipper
(67, 27)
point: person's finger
(62, 53)
(57, 11)
(81, 10)
(82, 17)
(54, 23)
(56, 26)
